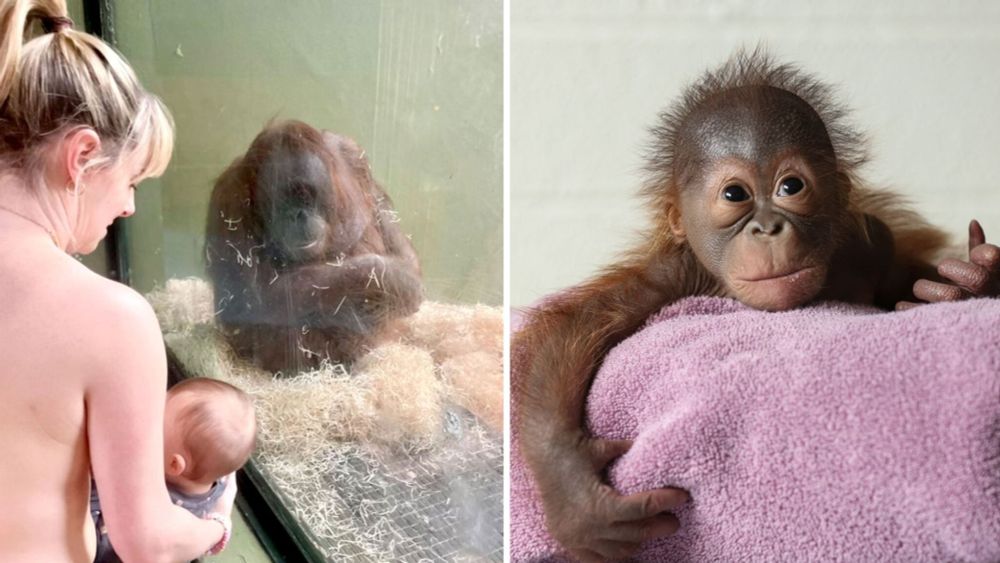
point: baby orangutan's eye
(735, 193)
(790, 186)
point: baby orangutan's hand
(979, 277)
(589, 518)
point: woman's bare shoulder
(100, 300)
(110, 319)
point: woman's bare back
(46, 305)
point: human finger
(225, 503)
(934, 292)
(647, 504)
(972, 277)
(976, 235)
(638, 531)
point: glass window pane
(395, 455)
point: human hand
(222, 513)
(589, 518)
(225, 503)
(227, 532)
(978, 277)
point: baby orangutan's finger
(987, 256)
(973, 277)
(934, 292)
(639, 531)
(603, 451)
(647, 504)
(976, 235)
(906, 305)
(613, 550)
(587, 556)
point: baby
(209, 433)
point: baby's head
(209, 432)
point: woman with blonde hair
(83, 370)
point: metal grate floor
(369, 502)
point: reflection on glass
(290, 273)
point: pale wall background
(588, 77)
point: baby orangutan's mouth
(779, 292)
(789, 277)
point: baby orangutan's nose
(766, 226)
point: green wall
(417, 84)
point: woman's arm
(126, 390)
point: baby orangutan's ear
(674, 221)
(176, 465)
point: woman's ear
(80, 146)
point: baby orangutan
(209, 433)
(754, 195)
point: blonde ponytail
(66, 78)
(14, 19)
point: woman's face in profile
(106, 193)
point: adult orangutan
(305, 251)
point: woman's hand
(225, 503)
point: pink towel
(826, 433)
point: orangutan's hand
(979, 277)
(589, 518)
